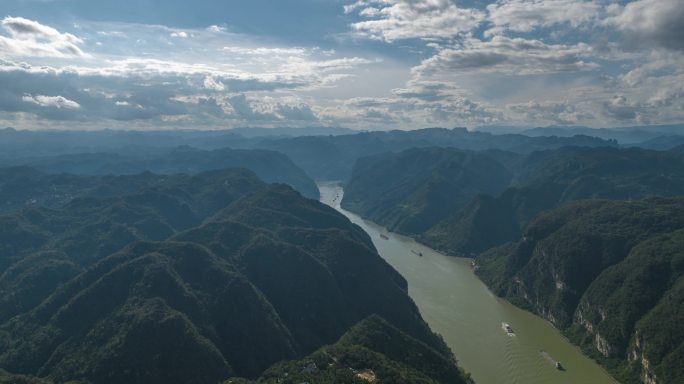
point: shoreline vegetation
(562, 333)
(602, 264)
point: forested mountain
(251, 132)
(270, 166)
(323, 157)
(22, 143)
(332, 157)
(608, 273)
(517, 188)
(198, 278)
(664, 142)
(635, 135)
(411, 190)
(371, 350)
(546, 179)
(22, 187)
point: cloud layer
(28, 38)
(396, 64)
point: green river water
(457, 305)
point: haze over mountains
(268, 165)
(634, 135)
(107, 236)
(161, 219)
(322, 157)
(465, 202)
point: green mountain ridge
(197, 279)
(588, 238)
(375, 347)
(323, 157)
(333, 157)
(609, 274)
(469, 216)
(409, 191)
(270, 166)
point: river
(457, 305)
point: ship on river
(507, 328)
(555, 363)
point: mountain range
(200, 278)
(466, 206)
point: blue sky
(368, 64)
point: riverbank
(456, 304)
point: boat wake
(508, 329)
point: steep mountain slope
(372, 349)
(22, 187)
(491, 215)
(243, 275)
(545, 180)
(410, 191)
(607, 272)
(42, 248)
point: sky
(366, 64)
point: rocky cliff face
(611, 275)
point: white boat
(507, 328)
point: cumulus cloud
(51, 101)
(621, 108)
(648, 22)
(216, 29)
(215, 79)
(180, 34)
(419, 104)
(443, 62)
(30, 38)
(213, 84)
(392, 20)
(551, 112)
(118, 96)
(528, 15)
(508, 55)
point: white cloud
(409, 19)
(622, 109)
(551, 112)
(267, 51)
(419, 104)
(216, 29)
(213, 84)
(30, 38)
(508, 55)
(51, 101)
(180, 35)
(528, 15)
(524, 61)
(647, 22)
